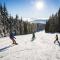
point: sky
(32, 8)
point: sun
(39, 5)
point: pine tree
(5, 17)
(47, 27)
(21, 26)
(53, 23)
(59, 20)
(1, 24)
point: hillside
(41, 21)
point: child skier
(56, 39)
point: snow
(42, 48)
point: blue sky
(27, 9)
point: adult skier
(13, 38)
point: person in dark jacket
(33, 36)
(13, 38)
(56, 39)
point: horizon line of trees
(53, 23)
(18, 26)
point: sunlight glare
(39, 5)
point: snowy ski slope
(42, 48)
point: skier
(12, 38)
(33, 36)
(56, 39)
